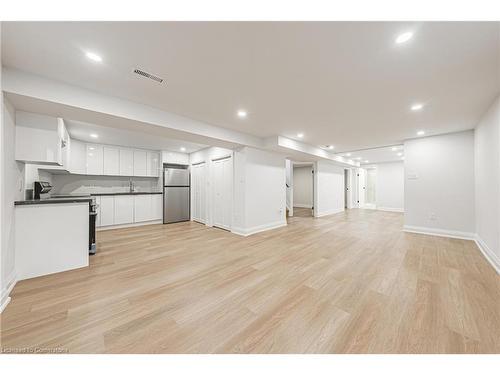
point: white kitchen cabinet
(39, 139)
(153, 164)
(140, 163)
(111, 160)
(157, 206)
(142, 208)
(94, 159)
(107, 210)
(175, 157)
(124, 209)
(126, 162)
(78, 157)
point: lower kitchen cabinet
(107, 210)
(128, 209)
(157, 206)
(142, 208)
(124, 209)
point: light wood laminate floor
(346, 283)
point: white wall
(303, 186)
(390, 186)
(265, 190)
(487, 183)
(439, 184)
(329, 189)
(12, 190)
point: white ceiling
(340, 83)
(120, 137)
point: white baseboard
(439, 232)
(490, 256)
(257, 229)
(298, 205)
(390, 209)
(131, 225)
(331, 212)
(4, 297)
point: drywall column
(259, 191)
(328, 189)
(439, 185)
(487, 183)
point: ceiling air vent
(148, 75)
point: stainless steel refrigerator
(176, 193)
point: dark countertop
(127, 193)
(52, 200)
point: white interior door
(361, 187)
(222, 192)
(198, 189)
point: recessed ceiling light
(417, 107)
(400, 154)
(93, 56)
(183, 149)
(242, 113)
(367, 161)
(94, 135)
(300, 135)
(403, 38)
(348, 154)
(91, 148)
(394, 149)
(420, 132)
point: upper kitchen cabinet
(140, 163)
(111, 161)
(78, 159)
(95, 159)
(175, 158)
(126, 162)
(41, 139)
(153, 164)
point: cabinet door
(94, 159)
(157, 206)
(78, 158)
(124, 209)
(98, 210)
(153, 164)
(126, 162)
(140, 163)
(142, 208)
(198, 192)
(107, 211)
(111, 158)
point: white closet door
(198, 186)
(222, 193)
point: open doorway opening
(303, 189)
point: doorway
(303, 189)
